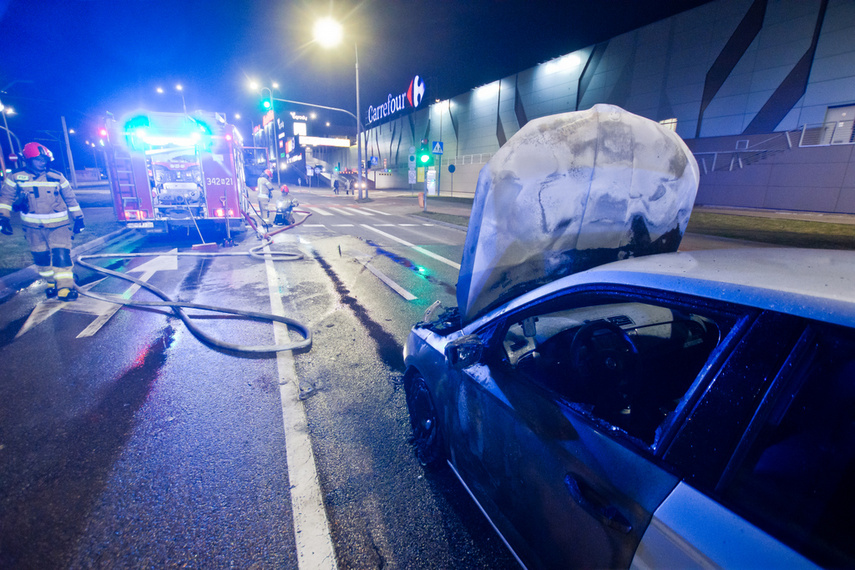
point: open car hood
(569, 192)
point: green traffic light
(266, 104)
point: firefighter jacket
(44, 200)
(264, 186)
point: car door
(564, 481)
(784, 495)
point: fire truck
(177, 172)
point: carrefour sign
(409, 100)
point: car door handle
(606, 514)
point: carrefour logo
(416, 91)
(397, 103)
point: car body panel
(818, 283)
(564, 489)
(690, 530)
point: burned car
(662, 410)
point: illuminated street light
(180, 89)
(8, 111)
(329, 33)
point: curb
(22, 278)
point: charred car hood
(569, 192)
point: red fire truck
(176, 172)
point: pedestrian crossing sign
(436, 147)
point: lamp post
(328, 33)
(4, 110)
(180, 89)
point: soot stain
(389, 350)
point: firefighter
(265, 191)
(48, 207)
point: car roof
(811, 283)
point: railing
(480, 158)
(741, 157)
(827, 134)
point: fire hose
(178, 307)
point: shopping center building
(762, 91)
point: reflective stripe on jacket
(48, 200)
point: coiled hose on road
(178, 307)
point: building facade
(731, 72)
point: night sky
(82, 58)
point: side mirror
(464, 352)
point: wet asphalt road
(141, 447)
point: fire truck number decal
(221, 181)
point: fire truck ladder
(124, 185)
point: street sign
(436, 147)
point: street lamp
(329, 33)
(180, 89)
(4, 110)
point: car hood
(569, 192)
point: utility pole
(68, 151)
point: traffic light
(424, 157)
(266, 103)
(103, 136)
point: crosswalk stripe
(378, 212)
(361, 211)
(320, 211)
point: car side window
(626, 362)
(794, 476)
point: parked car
(670, 411)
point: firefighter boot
(51, 291)
(66, 294)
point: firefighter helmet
(34, 149)
(268, 173)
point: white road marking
(378, 212)
(343, 225)
(40, 313)
(362, 211)
(166, 262)
(311, 528)
(415, 247)
(319, 211)
(365, 260)
(343, 211)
